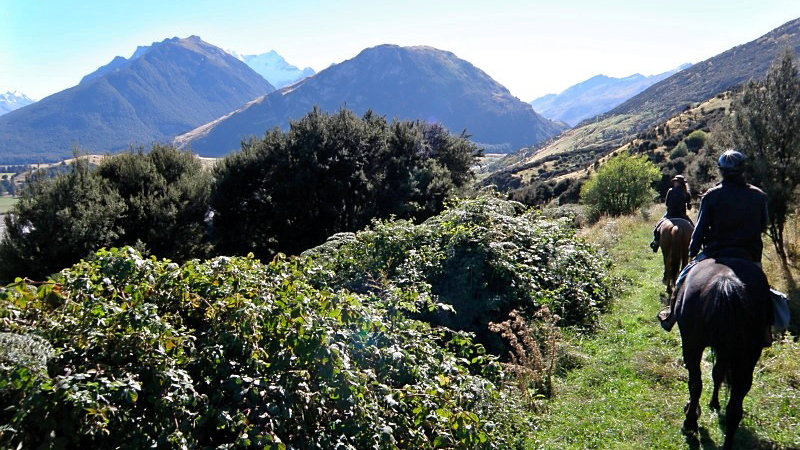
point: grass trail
(630, 391)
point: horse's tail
(726, 314)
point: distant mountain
(595, 96)
(12, 100)
(597, 136)
(714, 75)
(274, 68)
(400, 82)
(163, 90)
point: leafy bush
(621, 186)
(234, 354)
(288, 192)
(485, 257)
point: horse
(674, 242)
(724, 304)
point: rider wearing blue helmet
(732, 216)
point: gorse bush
(484, 257)
(288, 192)
(231, 353)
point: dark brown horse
(723, 304)
(674, 242)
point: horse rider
(677, 201)
(732, 216)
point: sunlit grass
(630, 392)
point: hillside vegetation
(122, 351)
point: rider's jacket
(677, 201)
(733, 214)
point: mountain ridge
(168, 88)
(597, 136)
(407, 83)
(595, 95)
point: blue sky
(532, 47)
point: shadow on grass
(746, 439)
(700, 440)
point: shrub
(679, 151)
(621, 185)
(230, 353)
(696, 140)
(485, 257)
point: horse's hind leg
(741, 381)
(692, 357)
(720, 369)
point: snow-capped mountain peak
(12, 100)
(273, 67)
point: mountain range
(595, 96)
(419, 83)
(12, 100)
(162, 90)
(274, 68)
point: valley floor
(630, 391)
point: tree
(332, 173)
(156, 200)
(166, 193)
(621, 185)
(764, 125)
(58, 221)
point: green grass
(6, 203)
(631, 389)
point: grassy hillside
(630, 391)
(577, 153)
(593, 138)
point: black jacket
(733, 214)
(677, 203)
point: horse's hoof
(690, 427)
(714, 405)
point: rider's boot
(654, 244)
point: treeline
(284, 192)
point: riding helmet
(732, 161)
